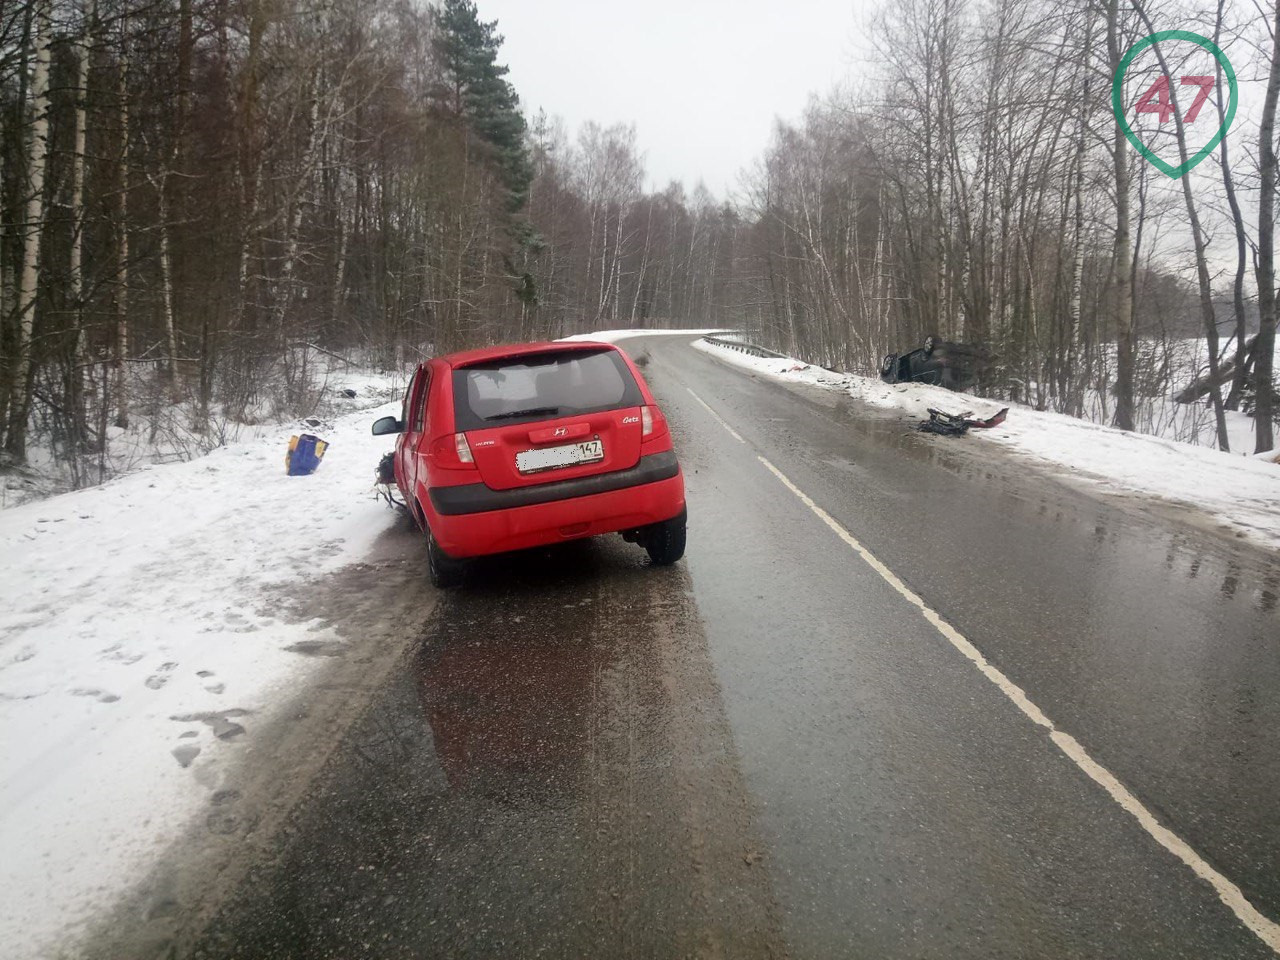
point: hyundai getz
(512, 447)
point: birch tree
(37, 157)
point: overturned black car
(941, 363)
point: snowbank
(1239, 491)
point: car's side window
(409, 396)
(420, 403)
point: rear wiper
(532, 411)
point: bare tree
(1122, 252)
(1197, 237)
(1265, 271)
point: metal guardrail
(743, 347)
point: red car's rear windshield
(542, 386)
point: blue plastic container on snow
(304, 455)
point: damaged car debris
(941, 363)
(957, 424)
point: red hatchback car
(521, 446)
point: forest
(200, 200)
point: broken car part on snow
(957, 424)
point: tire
(664, 542)
(445, 571)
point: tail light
(653, 425)
(452, 452)
(464, 450)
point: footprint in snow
(161, 676)
(98, 695)
(6, 697)
(185, 754)
(223, 728)
(115, 653)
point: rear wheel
(445, 571)
(664, 542)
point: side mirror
(387, 425)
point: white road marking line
(1266, 930)
(732, 432)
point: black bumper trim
(478, 498)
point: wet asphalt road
(766, 751)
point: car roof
(467, 357)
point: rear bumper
(478, 498)
(498, 529)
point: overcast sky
(701, 79)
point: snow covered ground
(1242, 492)
(139, 643)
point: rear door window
(542, 386)
(415, 402)
(420, 403)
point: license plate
(548, 458)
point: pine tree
(480, 94)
